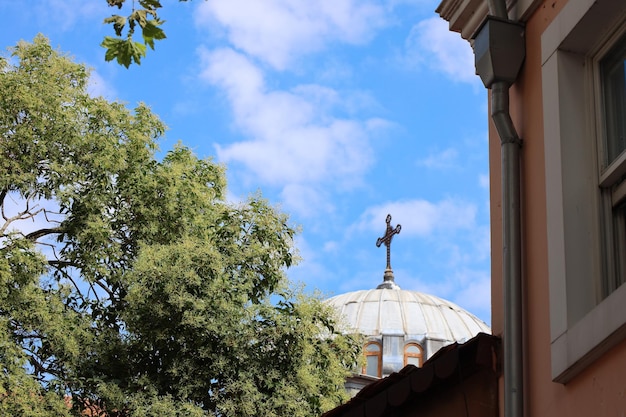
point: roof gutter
(499, 49)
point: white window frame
(584, 325)
(613, 192)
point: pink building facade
(568, 306)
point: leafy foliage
(124, 49)
(129, 283)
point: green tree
(130, 283)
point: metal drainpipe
(511, 239)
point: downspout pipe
(511, 251)
(501, 45)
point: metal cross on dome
(386, 239)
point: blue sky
(338, 111)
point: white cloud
(431, 43)
(473, 292)
(278, 31)
(232, 71)
(468, 287)
(99, 87)
(294, 138)
(421, 217)
(331, 246)
(482, 243)
(305, 200)
(465, 286)
(445, 159)
(483, 181)
(310, 269)
(66, 13)
(236, 200)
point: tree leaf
(118, 23)
(125, 51)
(150, 4)
(139, 16)
(152, 31)
(116, 3)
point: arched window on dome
(373, 359)
(413, 354)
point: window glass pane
(413, 349)
(372, 347)
(619, 236)
(371, 367)
(411, 360)
(613, 73)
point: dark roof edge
(482, 352)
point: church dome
(412, 314)
(402, 327)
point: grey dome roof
(412, 314)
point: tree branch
(105, 288)
(3, 195)
(45, 213)
(22, 215)
(58, 267)
(43, 232)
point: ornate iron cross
(386, 239)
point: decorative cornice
(464, 16)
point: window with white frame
(611, 78)
(584, 124)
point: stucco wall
(600, 390)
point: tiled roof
(448, 367)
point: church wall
(433, 345)
(393, 353)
